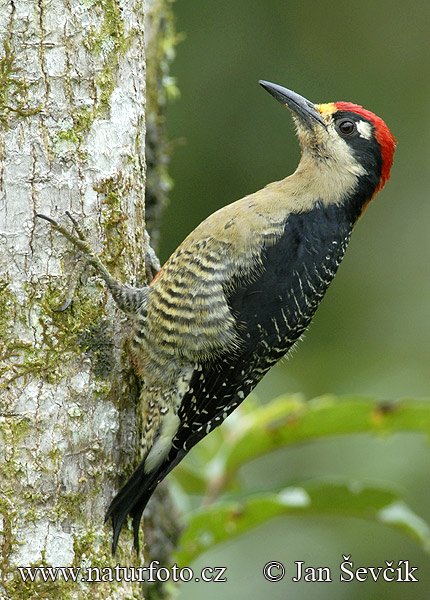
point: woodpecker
(242, 288)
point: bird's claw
(79, 240)
(81, 243)
(75, 276)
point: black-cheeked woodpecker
(243, 286)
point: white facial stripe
(364, 129)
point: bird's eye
(346, 127)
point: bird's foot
(81, 243)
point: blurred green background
(371, 334)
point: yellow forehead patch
(326, 109)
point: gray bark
(72, 134)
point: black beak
(301, 107)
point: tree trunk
(72, 134)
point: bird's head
(347, 148)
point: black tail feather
(134, 496)
(131, 500)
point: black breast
(272, 311)
(279, 304)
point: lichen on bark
(13, 90)
(72, 135)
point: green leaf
(221, 522)
(191, 479)
(290, 420)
